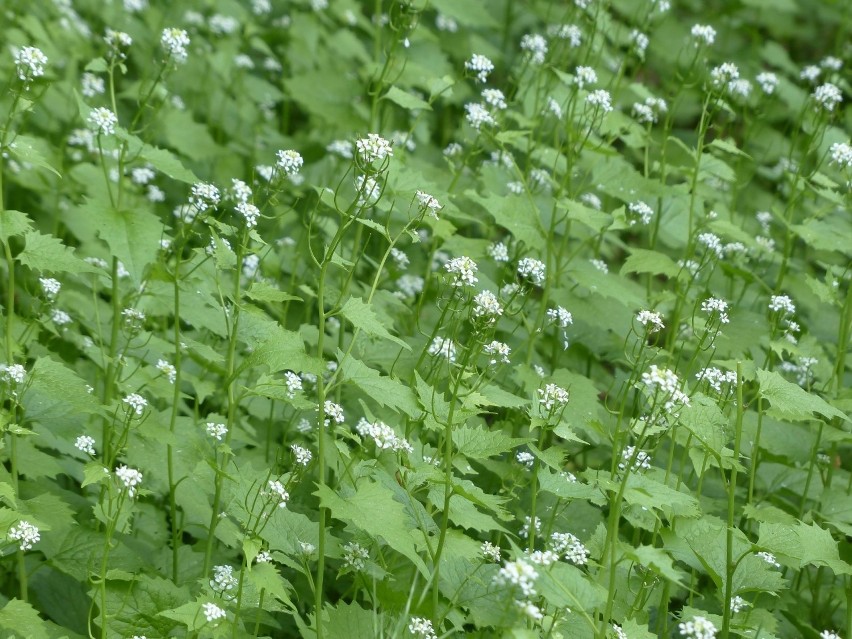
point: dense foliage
(466, 318)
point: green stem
(732, 502)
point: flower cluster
(102, 121)
(640, 212)
(355, 556)
(518, 573)
(486, 307)
(638, 460)
(25, 534)
(498, 350)
(130, 477)
(373, 148)
(444, 347)
(464, 271)
(552, 396)
(652, 321)
(175, 41)
(698, 628)
(570, 547)
(383, 435)
(278, 492)
(421, 627)
(716, 377)
(480, 66)
(29, 63)
(216, 431)
(532, 269)
(289, 162)
(212, 612)
(664, 382)
(714, 306)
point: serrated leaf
(348, 620)
(49, 254)
(514, 213)
(386, 391)
(13, 223)
(264, 576)
(362, 316)
(264, 292)
(94, 473)
(728, 147)
(805, 544)
(372, 508)
(406, 100)
(565, 586)
(32, 150)
(19, 616)
(133, 237)
(790, 401)
(479, 443)
(285, 350)
(653, 262)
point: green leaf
(264, 292)
(479, 443)
(514, 213)
(373, 509)
(19, 616)
(94, 473)
(565, 586)
(406, 100)
(32, 150)
(13, 223)
(654, 262)
(348, 620)
(790, 401)
(47, 253)
(133, 237)
(362, 316)
(56, 391)
(264, 576)
(164, 161)
(285, 350)
(728, 147)
(386, 391)
(803, 544)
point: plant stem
(730, 567)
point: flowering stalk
(730, 567)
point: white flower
(723, 74)
(91, 85)
(485, 305)
(289, 161)
(768, 82)
(130, 477)
(532, 269)
(560, 317)
(619, 632)
(529, 608)
(600, 99)
(584, 76)
(443, 347)
(223, 25)
(383, 435)
(703, 34)
(652, 321)
(640, 41)
(50, 287)
(665, 383)
(428, 203)
(782, 304)
(25, 534)
(480, 66)
(478, 114)
(175, 41)
(841, 154)
(212, 612)
(373, 148)
(116, 41)
(142, 175)
(525, 458)
(369, 190)
(739, 604)
(204, 195)
(499, 350)
(490, 551)
(136, 402)
(102, 121)
(293, 383)
(495, 98)
(712, 242)
(600, 265)
(570, 32)
(825, 634)
(355, 556)
(334, 412)
(263, 557)
(446, 23)
(85, 444)
(167, 369)
(216, 431)
(60, 318)
(592, 200)
(827, 96)
(810, 73)
(769, 558)
(410, 285)
(554, 107)
(249, 212)
(641, 462)
(713, 305)
(278, 491)
(464, 269)
(552, 396)
(29, 63)
(536, 47)
(570, 547)
(302, 455)
(223, 579)
(498, 252)
(421, 627)
(518, 573)
(715, 377)
(640, 210)
(698, 628)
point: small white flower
(263, 557)
(494, 98)
(715, 305)
(525, 458)
(421, 627)
(464, 271)
(290, 162)
(480, 66)
(334, 412)
(698, 628)
(490, 551)
(136, 402)
(50, 286)
(25, 534)
(810, 73)
(249, 212)
(60, 318)
(446, 23)
(584, 76)
(738, 604)
(769, 558)
(640, 41)
(278, 491)
(569, 546)
(29, 63)
(560, 316)
(478, 114)
(703, 34)
(443, 347)
(102, 121)
(535, 46)
(485, 305)
(532, 269)
(652, 321)
(175, 41)
(841, 154)
(828, 96)
(216, 431)
(498, 350)
(552, 396)
(203, 196)
(302, 455)
(518, 573)
(767, 81)
(167, 369)
(498, 252)
(428, 203)
(223, 579)
(640, 463)
(369, 190)
(373, 148)
(212, 612)
(825, 634)
(117, 41)
(91, 85)
(782, 304)
(600, 99)
(640, 210)
(130, 477)
(355, 556)
(569, 32)
(85, 444)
